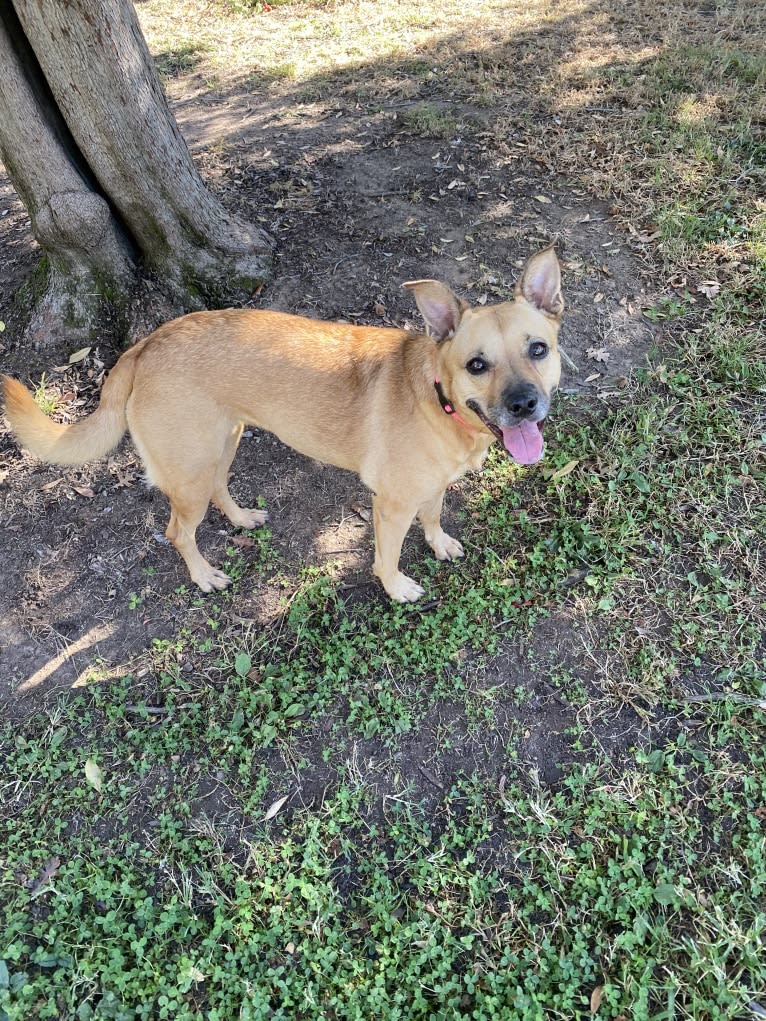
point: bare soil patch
(358, 202)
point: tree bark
(93, 151)
(87, 251)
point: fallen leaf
(380, 310)
(709, 288)
(275, 808)
(48, 873)
(597, 298)
(84, 491)
(79, 355)
(543, 199)
(598, 354)
(50, 485)
(93, 774)
(242, 541)
(593, 376)
(568, 468)
(595, 999)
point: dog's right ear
(441, 309)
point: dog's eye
(538, 349)
(476, 366)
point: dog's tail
(87, 440)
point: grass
(421, 866)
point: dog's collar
(448, 407)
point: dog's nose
(522, 400)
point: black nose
(522, 400)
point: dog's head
(499, 365)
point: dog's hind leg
(185, 464)
(443, 545)
(392, 519)
(187, 509)
(242, 517)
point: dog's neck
(449, 408)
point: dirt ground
(358, 202)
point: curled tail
(87, 440)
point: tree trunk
(93, 151)
(87, 252)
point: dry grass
(659, 108)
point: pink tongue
(524, 442)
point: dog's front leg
(443, 545)
(391, 520)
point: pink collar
(449, 409)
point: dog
(409, 412)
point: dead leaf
(274, 808)
(50, 485)
(597, 298)
(568, 468)
(93, 774)
(363, 512)
(79, 355)
(595, 999)
(4, 473)
(593, 376)
(598, 354)
(543, 199)
(709, 288)
(84, 491)
(48, 873)
(242, 541)
(380, 310)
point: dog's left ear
(441, 309)
(540, 283)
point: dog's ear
(441, 309)
(540, 283)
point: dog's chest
(472, 463)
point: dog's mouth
(523, 442)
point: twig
(568, 360)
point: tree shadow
(353, 173)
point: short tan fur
(359, 397)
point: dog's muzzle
(521, 432)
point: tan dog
(410, 413)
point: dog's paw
(210, 579)
(446, 548)
(248, 517)
(404, 589)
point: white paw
(254, 518)
(210, 579)
(403, 589)
(445, 547)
